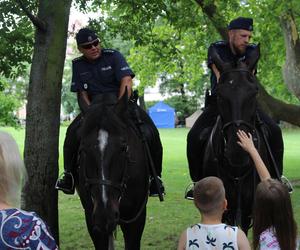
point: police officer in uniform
(101, 75)
(237, 48)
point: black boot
(153, 192)
(66, 183)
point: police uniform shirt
(100, 76)
(226, 55)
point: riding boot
(278, 157)
(66, 182)
(153, 191)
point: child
(274, 226)
(19, 229)
(211, 233)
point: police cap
(85, 35)
(242, 23)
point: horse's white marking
(103, 140)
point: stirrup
(65, 190)
(153, 192)
(189, 187)
(288, 184)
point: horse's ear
(253, 57)
(122, 104)
(215, 58)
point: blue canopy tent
(162, 115)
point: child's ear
(225, 204)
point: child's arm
(182, 241)
(247, 144)
(242, 241)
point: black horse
(221, 155)
(113, 177)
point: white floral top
(212, 237)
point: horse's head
(103, 161)
(236, 91)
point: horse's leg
(132, 232)
(100, 241)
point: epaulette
(219, 43)
(110, 51)
(78, 59)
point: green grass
(165, 220)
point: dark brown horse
(113, 176)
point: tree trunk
(278, 109)
(291, 70)
(275, 108)
(142, 102)
(43, 112)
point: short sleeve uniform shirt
(102, 75)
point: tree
(43, 108)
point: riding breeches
(197, 137)
(71, 144)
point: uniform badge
(85, 86)
(90, 38)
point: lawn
(165, 220)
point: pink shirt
(268, 240)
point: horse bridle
(237, 123)
(119, 186)
(97, 181)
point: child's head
(209, 195)
(12, 170)
(273, 208)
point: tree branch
(210, 9)
(38, 23)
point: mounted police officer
(237, 48)
(102, 75)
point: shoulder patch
(110, 51)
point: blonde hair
(12, 170)
(209, 195)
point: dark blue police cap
(242, 23)
(85, 35)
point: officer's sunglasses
(90, 45)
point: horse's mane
(100, 116)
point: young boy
(211, 233)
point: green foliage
(8, 105)
(170, 39)
(16, 38)
(184, 107)
(68, 98)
